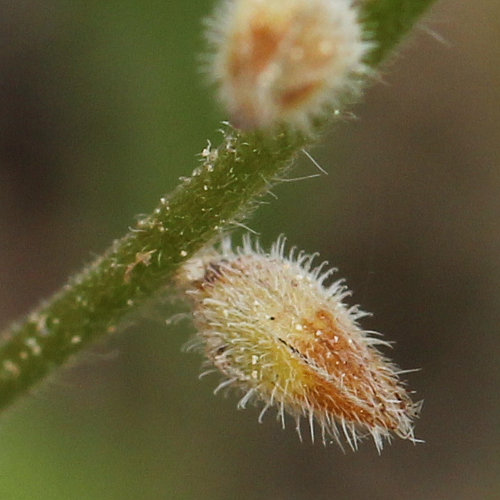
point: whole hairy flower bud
(278, 61)
(271, 326)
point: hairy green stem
(222, 190)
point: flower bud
(284, 60)
(271, 326)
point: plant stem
(388, 21)
(221, 191)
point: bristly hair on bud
(278, 333)
(284, 61)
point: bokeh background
(102, 108)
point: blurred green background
(102, 108)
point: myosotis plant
(278, 72)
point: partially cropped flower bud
(278, 334)
(284, 60)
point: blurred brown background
(101, 110)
